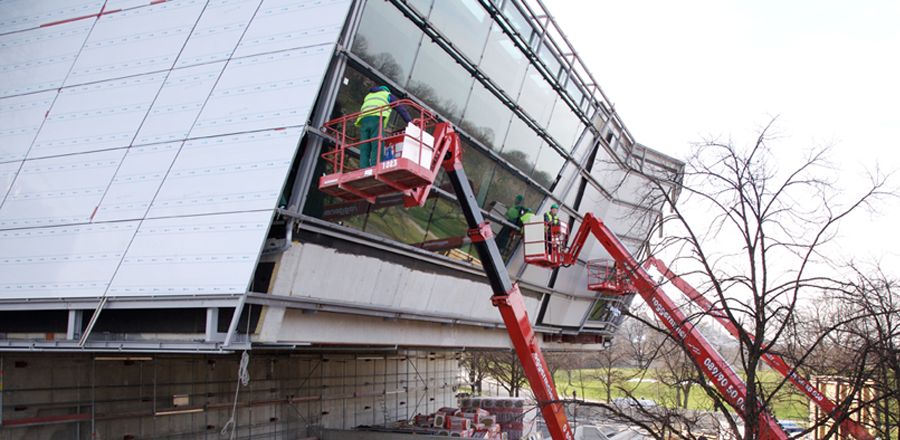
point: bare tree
(753, 232)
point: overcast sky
(679, 72)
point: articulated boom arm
(716, 369)
(506, 296)
(774, 361)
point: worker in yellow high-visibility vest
(374, 109)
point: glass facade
(397, 50)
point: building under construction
(160, 211)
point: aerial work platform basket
(604, 276)
(406, 160)
(545, 245)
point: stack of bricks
(508, 413)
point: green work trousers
(368, 151)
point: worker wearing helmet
(552, 231)
(374, 110)
(552, 218)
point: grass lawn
(790, 404)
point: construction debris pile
(499, 418)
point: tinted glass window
(503, 62)
(423, 7)
(465, 23)
(518, 21)
(440, 82)
(387, 40)
(546, 56)
(522, 146)
(504, 188)
(564, 125)
(479, 169)
(486, 118)
(537, 97)
(548, 166)
(406, 225)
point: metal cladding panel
(319, 272)
(59, 190)
(192, 255)
(136, 182)
(217, 33)
(179, 102)
(136, 41)
(265, 91)
(8, 173)
(20, 119)
(19, 15)
(66, 261)
(40, 59)
(288, 24)
(228, 173)
(565, 311)
(97, 116)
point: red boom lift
(848, 426)
(419, 152)
(426, 146)
(627, 275)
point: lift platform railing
(607, 277)
(545, 245)
(406, 159)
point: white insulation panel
(19, 15)
(65, 261)
(40, 59)
(144, 144)
(192, 255)
(228, 173)
(136, 41)
(20, 119)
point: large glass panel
(406, 225)
(465, 23)
(518, 21)
(505, 187)
(564, 125)
(448, 223)
(486, 118)
(503, 62)
(549, 60)
(423, 7)
(548, 166)
(387, 40)
(440, 82)
(479, 169)
(522, 146)
(537, 96)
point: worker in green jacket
(513, 214)
(374, 110)
(551, 220)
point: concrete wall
(288, 396)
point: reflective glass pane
(548, 166)
(387, 40)
(549, 60)
(423, 7)
(573, 91)
(504, 188)
(440, 82)
(448, 226)
(518, 21)
(564, 125)
(503, 62)
(479, 169)
(522, 146)
(465, 23)
(406, 225)
(486, 118)
(537, 96)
